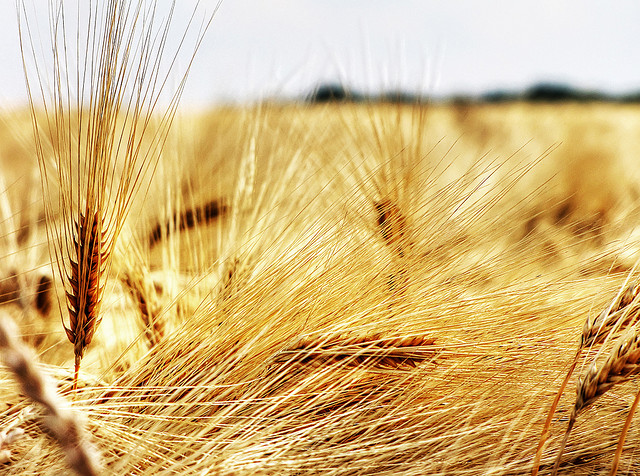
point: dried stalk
(552, 411)
(623, 435)
(59, 420)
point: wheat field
(326, 289)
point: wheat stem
(623, 435)
(552, 411)
(572, 422)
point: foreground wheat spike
(614, 317)
(621, 365)
(87, 285)
(94, 88)
(59, 420)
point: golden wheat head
(100, 134)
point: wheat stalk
(623, 435)
(61, 422)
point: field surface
(344, 289)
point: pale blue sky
(262, 48)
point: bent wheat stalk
(99, 130)
(59, 420)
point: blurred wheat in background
(351, 287)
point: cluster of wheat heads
(95, 93)
(618, 323)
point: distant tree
(329, 92)
(558, 92)
(499, 96)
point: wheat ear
(392, 225)
(86, 286)
(595, 331)
(59, 420)
(143, 293)
(622, 363)
(374, 351)
(188, 219)
(615, 317)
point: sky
(283, 48)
